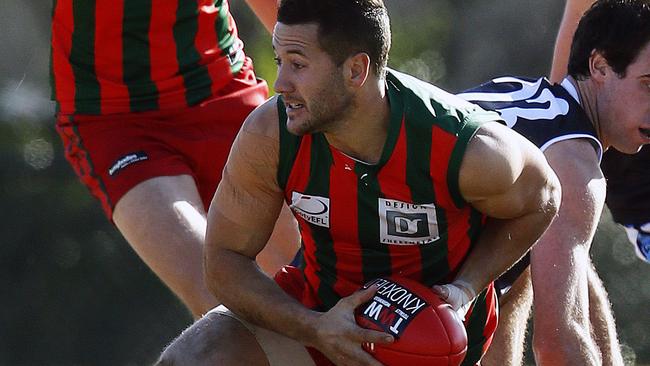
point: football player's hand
(339, 337)
(459, 294)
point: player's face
(309, 81)
(624, 106)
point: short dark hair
(617, 29)
(345, 27)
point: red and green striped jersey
(403, 216)
(120, 56)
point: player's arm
(507, 178)
(240, 221)
(573, 11)
(266, 11)
(562, 328)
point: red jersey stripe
(392, 178)
(163, 50)
(442, 144)
(344, 222)
(458, 241)
(62, 26)
(207, 43)
(126, 56)
(109, 49)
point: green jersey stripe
(468, 129)
(289, 145)
(375, 258)
(136, 61)
(395, 124)
(475, 326)
(221, 27)
(418, 177)
(318, 185)
(83, 35)
(194, 74)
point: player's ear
(598, 66)
(357, 67)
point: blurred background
(72, 292)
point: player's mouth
(292, 106)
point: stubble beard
(324, 117)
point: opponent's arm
(266, 11)
(573, 11)
(560, 263)
(240, 221)
(507, 178)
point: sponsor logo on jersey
(392, 307)
(313, 209)
(126, 160)
(405, 223)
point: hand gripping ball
(427, 331)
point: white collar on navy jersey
(568, 85)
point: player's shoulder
(496, 156)
(424, 104)
(414, 90)
(524, 87)
(263, 120)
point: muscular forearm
(560, 262)
(246, 291)
(560, 265)
(502, 243)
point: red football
(427, 331)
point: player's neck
(363, 134)
(589, 102)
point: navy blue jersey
(544, 113)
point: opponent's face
(309, 81)
(624, 105)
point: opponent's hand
(340, 338)
(459, 294)
(640, 236)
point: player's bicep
(504, 176)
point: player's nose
(282, 84)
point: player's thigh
(164, 221)
(162, 212)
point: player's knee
(165, 360)
(172, 356)
(178, 353)
(196, 346)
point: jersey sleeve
(467, 128)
